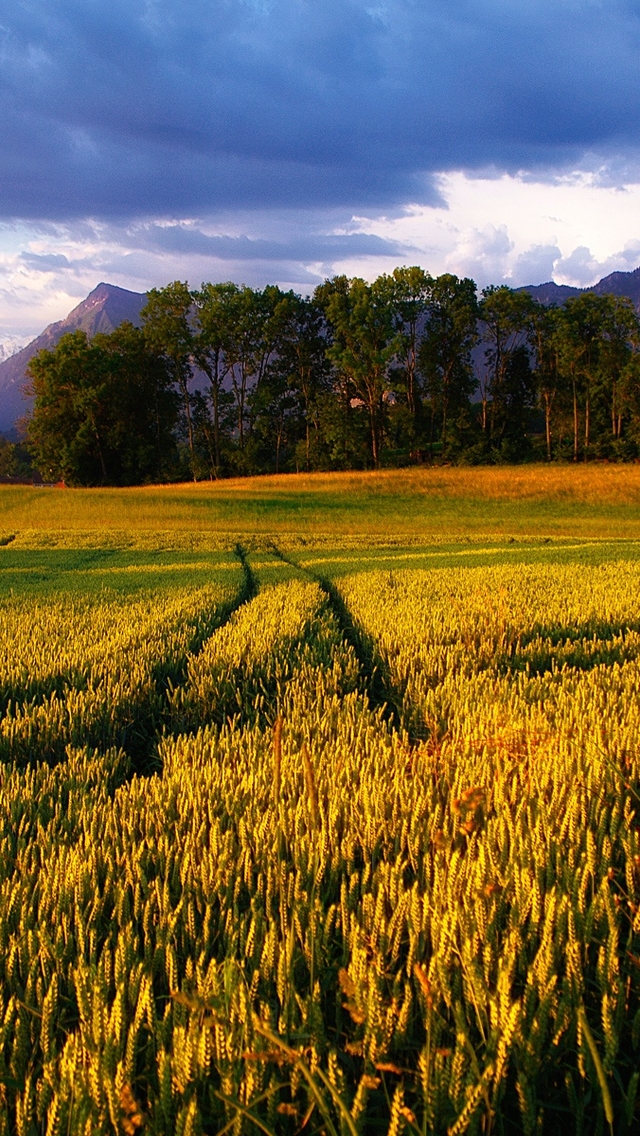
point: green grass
(332, 563)
(557, 502)
(40, 572)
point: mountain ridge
(102, 310)
(615, 284)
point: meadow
(311, 827)
(600, 501)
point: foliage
(445, 353)
(14, 460)
(360, 375)
(104, 410)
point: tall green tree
(580, 334)
(216, 308)
(251, 338)
(445, 352)
(168, 320)
(620, 342)
(363, 344)
(543, 344)
(67, 431)
(104, 411)
(505, 318)
(301, 366)
(408, 291)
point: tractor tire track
(375, 678)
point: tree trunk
(575, 421)
(374, 436)
(216, 425)
(187, 407)
(411, 375)
(100, 455)
(547, 422)
(212, 468)
(444, 426)
(431, 433)
(278, 444)
(215, 392)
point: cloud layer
(503, 229)
(147, 107)
(285, 140)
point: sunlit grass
(598, 501)
(380, 875)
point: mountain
(551, 293)
(9, 345)
(616, 284)
(102, 311)
(620, 284)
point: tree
(579, 340)
(517, 400)
(66, 431)
(216, 307)
(277, 409)
(104, 410)
(619, 343)
(445, 353)
(408, 291)
(361, 318)
(506, 318)
(270, 313)
(168, 323)
(301, 362)
(250, 335)
(542, 340)
(628, 393)
(14, 460)
(143, 406)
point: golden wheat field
(557, 501)
(336, 842)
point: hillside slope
(102, 311)
(616, 284)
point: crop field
(305, 834)
(557, 502)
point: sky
(287, 140)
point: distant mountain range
(617, 284)
(108, 306)
(102, 311)
(9, 345)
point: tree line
(227, 380)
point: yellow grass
(600, 501)
(396, 933)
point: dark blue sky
(154, 106)
(214, 111)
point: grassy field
(429, 504)
(319, 807)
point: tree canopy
(226, 380)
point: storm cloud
(156, 107)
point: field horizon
(538, 501)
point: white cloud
(496, 229)
(519, 231)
